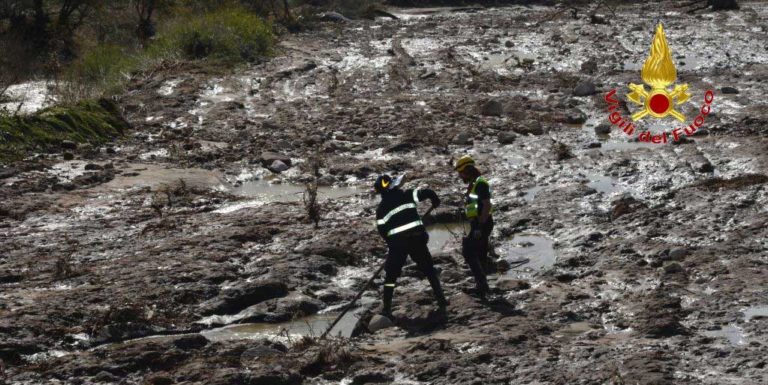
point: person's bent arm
(424, 194)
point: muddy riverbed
(644, 264)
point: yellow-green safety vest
(470, 209)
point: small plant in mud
(311, 203)
(63, 268)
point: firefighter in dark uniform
(478, 210)
(399, 224)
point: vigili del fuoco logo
(658, 102)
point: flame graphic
(659, 70)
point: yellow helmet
(463, 162)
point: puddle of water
(27, 98)
(540, 250)
(755, 311)
(268, 192)
(530, 194)
(623, 146)
(733, 333)
(312, 326)
(441, 234)
(575, 328)
(603, 184)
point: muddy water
(755, 312)
(269, 192)
(288, 332)
(732, 333)
(443, 235)
(603, 184)
(539, 250)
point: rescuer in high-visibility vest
(401, 227)
(478, 210)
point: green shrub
(101, 71)
(87, 121)
(230, 35)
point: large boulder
(268, 158)
(491, 108)
(239, 297)
(586, 88)
(379, 322)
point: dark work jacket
(396, 216)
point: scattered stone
(507, 137)
(729, 90)
(673, 268)
(575, 116)
(241, 296)
(278, 167)
(491, 108)
(268, 158)
(68, 145)
(371, 377)
(463, 138)
(68, 156)
(586, 88)
(603, 129)
(509, 44)
(192, 342)
(335, 17)
(589, 66)
(678, 254)
(531, 127)
(159, 379)
(513, 284)
(93, 167)
(379, 322)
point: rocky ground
(660, 269)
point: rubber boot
(437, 289)
(389, 292)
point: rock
(92, 167)
(729, 90)
(334, 17)
(107, 377)
(678, 254)
(531, 127)
(278, 167)
(509, 44)
(379, 322)
(404, 146)
(244, 295)
(7, 172)
(575, 116)
(507, 137)
(513, 284)
(491, 108)
(463, 138)
(371, 377)
(159, 379)
(10, 278)
(603, 129)
(673, 268)
(68, 156)
(268, 158)
(586, 88)
(589, 66)
(192, 342)
(68, 145)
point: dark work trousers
(399, 250)
(475, 252)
